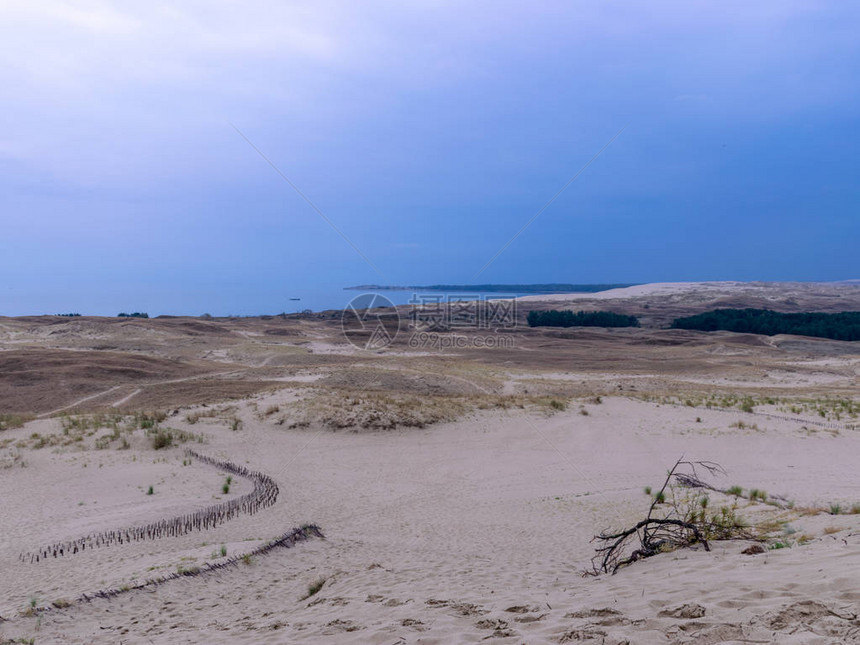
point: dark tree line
(136, 314)
(567, 318)
(840, 326)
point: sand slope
(454, 533)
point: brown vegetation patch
(41, 380)
(197, 392)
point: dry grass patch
(342, 409)
(12, 421)
(219, 413)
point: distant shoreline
(550, 288)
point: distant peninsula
(554, 287)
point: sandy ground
(434, 534)
(475, 528)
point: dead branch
(679, 523)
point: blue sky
(429, 133)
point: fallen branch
(684, 524)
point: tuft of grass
(855, 509)
(835, 509)
(660, 497)
(150, 490)
(555, 404)
(755, 494)
(647, 490)
(223, 551)
(12, 421)
(246, 559)
(314, 588)
(779, 544)
(235, 424)
(162, 439)
(737, 491)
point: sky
(220, 156)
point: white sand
(432, 534)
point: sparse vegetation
(167, 437)
(162, 439)
(685, 521)
(755, 494)
(12, 421)
(150, 490)
(314, 588)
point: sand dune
(469, 529)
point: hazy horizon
(324, 299)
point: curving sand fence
(287, 540)
(264, 494)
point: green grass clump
(835, 509)
(162, 439)
(314, 588)
(737, 491)
(150, 491)
(755, 494)
(12, 421)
